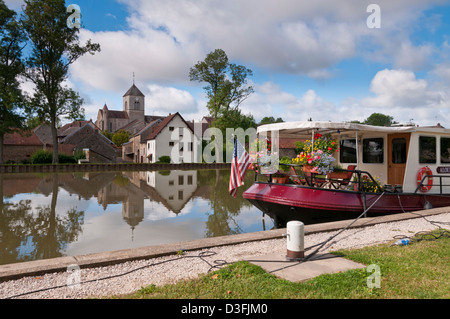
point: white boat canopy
(307, 128)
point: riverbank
(63, 168)
(165, 266)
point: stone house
(171, 136)
(19, 147)
(85, 136)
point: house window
(171, 183)
(171, 143)
(181, 180)
(190, 180)
(136, 104)
(348, 151)
(181, 147)
(191, 147)
(171, 128)
(180, 195)
(427, 150)
(373, 150)
(110, 127)
(445, 150)
(181, 131)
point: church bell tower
(134, 104)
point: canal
(54, 215)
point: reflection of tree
(12, 230)
(42, 233)
(225, 209)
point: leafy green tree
(270, 120)
(121, 137)
(379, 119)
(12, 40)
(54, 47)
(227, 85)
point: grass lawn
(420, 270)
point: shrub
(79, 154)
(46, 157)
(42, 157)
(164, 160)
(66, 159)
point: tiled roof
(158, 128)
(25, 138)
(134, 91)
(76, 124)
(118, 115)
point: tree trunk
(55, 142)
(2, 140)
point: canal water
(53, 215)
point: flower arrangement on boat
(261, 157)
(317, 155)
(370, 186)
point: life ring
(422, 172)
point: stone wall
(61, 168)
(19, 153)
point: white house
(175, 138)
(172, 136)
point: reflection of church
(172, 189)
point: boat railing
(356, 181)
(431, 182)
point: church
(131, 119)
(151, 137)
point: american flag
(239, 166)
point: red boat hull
(293, 202)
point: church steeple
(134, 104)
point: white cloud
(401, 88)
(169, 100)
(168, 37)
(270, 100)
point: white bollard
(295, 240)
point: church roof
(134, 91)
(118, 115)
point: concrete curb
(41, 267)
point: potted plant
(317, 156)
(337, 173)
(282, 177)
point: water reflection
(53, 215)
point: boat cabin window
(348, 151)
(399, 150)
(427, 150)
(373, 150)
(445, 150)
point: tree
(55, 47)
(121, 137)
(227, 83)
(379, 119)
(11, 67)
(270, 120)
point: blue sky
(314, 59)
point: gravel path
(131, 276)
